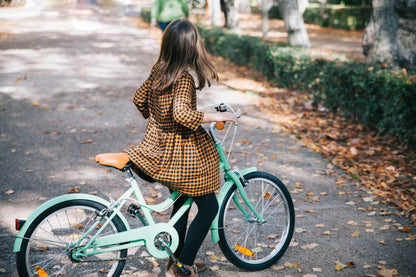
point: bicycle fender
(66, 197)
(220, 197)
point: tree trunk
(390, 37)
(322, 9)
(230, 9)
(215, 12)
(291, 11)
(244, 6)
(265, 6)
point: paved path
(66, 82)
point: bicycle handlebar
(221, 124)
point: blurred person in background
(165, 11)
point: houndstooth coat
(176, 151)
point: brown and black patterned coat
(176, 150)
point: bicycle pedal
(183, 268)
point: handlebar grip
(220, 125)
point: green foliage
(379, 97)
(335, 16)
(146, 14)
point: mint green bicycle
(85, 235)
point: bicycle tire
(48, 239)
(245, 242)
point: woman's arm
(217, 117)
(140, 98)
(182, 103)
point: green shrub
(379, 97)
(145, 13)
(335, 16)
(350, 2)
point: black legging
(207, 210)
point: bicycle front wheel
(247, 242)
(51, 238)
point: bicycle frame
(151, 232)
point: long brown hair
(182, 49)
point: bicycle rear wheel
(250, 244)
(50, 239)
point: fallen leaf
(74, 190)
(356, 233)
(385, 273)
(405, 229)
(317, 269)
(411, 237)
(244, 141)
(280, 267)
(309, 246)
(353, 151)
(339, 266)
(368, 199)
(300, 230)
(10, 191)
(320, 225)
(272, 236)
(351, 264)
(294, 243)
(385, 227)
(86, 141)
(290, 265)
(153, 261)
(214, 258)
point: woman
(176, 150)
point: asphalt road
(67, 77)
